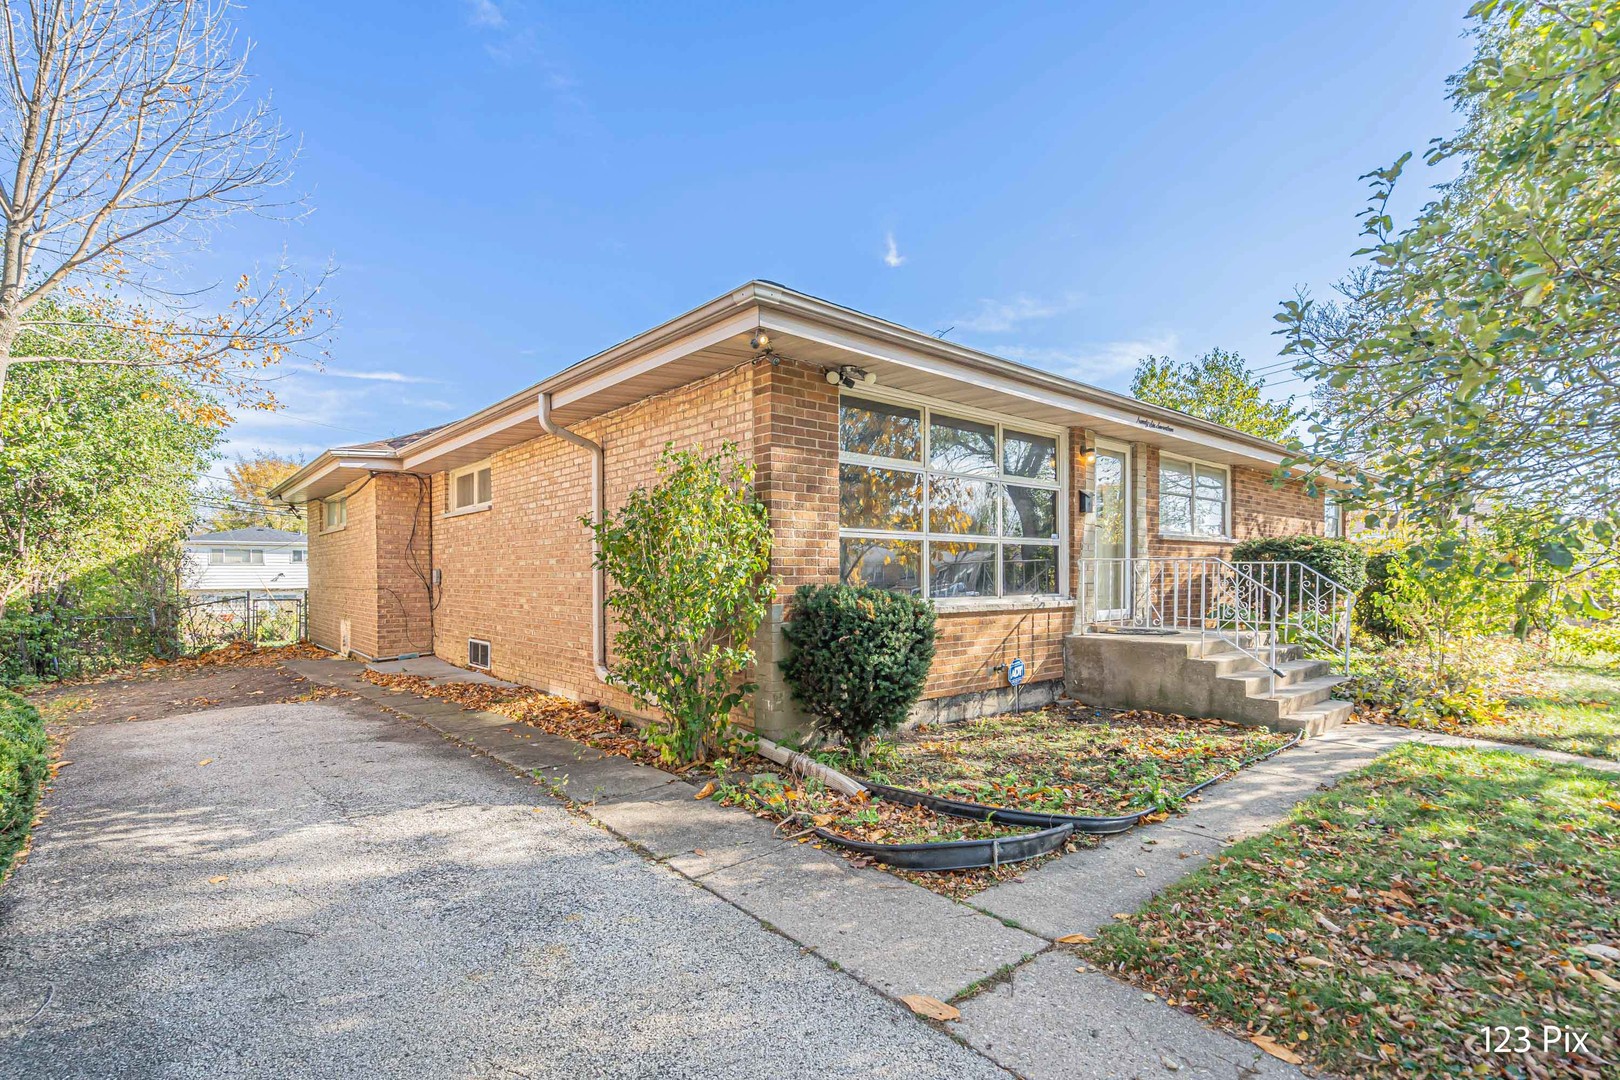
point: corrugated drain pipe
(598, 509)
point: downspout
(598, 495)
(799, 763)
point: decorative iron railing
(1250, 606)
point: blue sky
(506, 187)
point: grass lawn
(1069, 759)
(1391, 920)
(1573, 709)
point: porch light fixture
(760, 342)
(848, 377)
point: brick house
(884, 455)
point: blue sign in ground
(1015, 672)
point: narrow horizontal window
(878, 429)
(477, 653)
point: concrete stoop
(1195, 676)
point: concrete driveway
(342, 893)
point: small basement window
(477, 653)
(470, 488)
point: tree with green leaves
(1475, 364)
(688, 561)
(1218, 386)
(100, 462)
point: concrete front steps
(1194, 675)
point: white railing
(1250, 606)
(1317, 610)
(1207, 595)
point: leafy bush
(1404, 685)
(1380, 609)
(22, 772)
(1587, 642)
(688, 561)
(1335, 559)
(859, 659)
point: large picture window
(1193, 498)
(947, 506)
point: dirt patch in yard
(226, 678)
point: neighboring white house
(259, 560)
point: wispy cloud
(999, 316)
(891, 254)
(485, 14)
(1099, 362)
(370, 376)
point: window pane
(1030, 512)
(961, 446)
(961, 506)
(483, 486)
(1028, 569)
(1210, 505)
(960, 569)
(1029, 455)
(1175, 514)
(1175, 477)
(464, 491)
(882, 564)
(871, 427)
(870, 498)
(1175, 497)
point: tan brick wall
(343, 572)
(404, 530)
(796, 457)
(969, 646)
(518, 575)
(366, 572)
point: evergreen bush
(859, 657)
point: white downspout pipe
(598, 511)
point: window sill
(954, 605)
(1187, 538)
(334, 528)
(463, 511)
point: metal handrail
(1225, 598)
(1309, 592)
(1207, 594)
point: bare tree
(133, 133)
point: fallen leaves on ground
(1070, 759)
(1388, 921)
(241, 654)
(933, 1008)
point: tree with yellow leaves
(129, 134)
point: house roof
(716, 336)
(257, 534)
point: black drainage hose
(959, 854)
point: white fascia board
(744, 321)
(862, 345)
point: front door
(1111, 529)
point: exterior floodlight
(760, 342)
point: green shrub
(1587, 642)
(689, 564)
(1382, 609)
(1335, 559)
(23, 761)
(859, 658)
